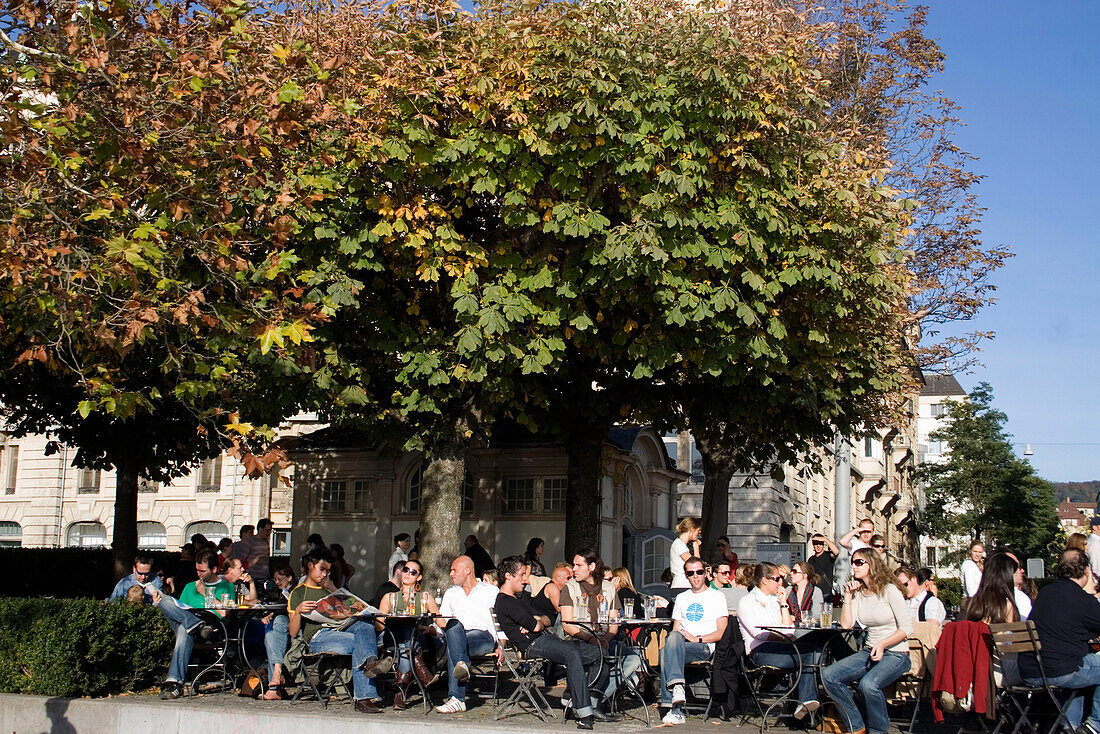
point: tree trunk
(124, 538)
(441, 514)
(583, 497)
(718, 470)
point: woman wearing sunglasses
(873, 599)
(408, 600)
(765, 606)
(805, 597)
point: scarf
(593, 588)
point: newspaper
(341, 609)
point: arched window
(86, 535)
(214, 531)
(151, 536)
(655, 555)
(628, 500)
(416, 491)
(11, 535)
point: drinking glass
(582, 613)
(628, 609)
(826, 615)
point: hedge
(81, 647)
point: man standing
(482, 560)
(859, 536)
(1066, 617)
(470, 601)
(240, 548)
(360, 641)
(527, 631)
(726, 553)
(699, 619)
(258, 558)
(823, 555)
(143, 574)
(923, 607)
(184, 623)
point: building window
(86, 535)
(210, 475)
(9, 467)
(151, 536)
(930, 557)
(868, 447)
(939, 410)
(334, 496)
(88, 481)
(935, 447)
(212, 530)
(280, 541)
(362, 497)
(416, 486)
(519, 495)
(553, 494)
(628, 499)
(468, 487)
(11, 535)
(655, 554)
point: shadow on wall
(56, 708)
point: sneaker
(461, 671)
(805, 709)
(171, 690)
(451, 706)
(1086, 728)
(675, 717)
(678, 695)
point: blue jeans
(460, 646)
(577, 659)
(276, 640)
(677, 653)
(1085, 677)
(872, 677)
(781, 655)
(361, 642)
(183, 624)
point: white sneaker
(674, 717)
(451, 706)
(679, 697)
(805, 709)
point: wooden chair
(1021, 637)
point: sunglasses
(410, 571)
(724, 572)
(776, 579)
(859, 562)
(697, 572)
(879, 545)
(865, 532)
(818, 542)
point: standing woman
(805, 596)
(408, 600)
(972, 569)
(873, 599)
(686, 545)
(535, 548)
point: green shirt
(303, 592)
(192, 598)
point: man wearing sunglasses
(822, 559)
(859, 536)
(143, 574)
(470, 601)
(699, 619)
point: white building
(932, 405)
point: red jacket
(962, 661)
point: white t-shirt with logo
(698, 613)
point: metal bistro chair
(527, 671)
(1018, 637)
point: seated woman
(624, 587)
(873, 599)
(408, 600)
(805, 596)
(277, 633)
(994, 603)
(764, 607)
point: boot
(403, 680)
(424, 675)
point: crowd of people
(549, 611)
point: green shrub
(951, 591)
(81, 647)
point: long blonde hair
(878, 576)
(623, 575)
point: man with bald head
(470, 601)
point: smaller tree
(982, 490)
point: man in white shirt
(699, 620)
(859, 536)
(1092, 549)
(923, 606)
(470, 633)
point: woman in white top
(972, 569)
(766, 606)
(873, 599)
(686, 545)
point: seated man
(184, 623)
(923, 607)
(527, 631)
(699, 619)
(241, 580)
(1066, 617)
(387, 587)
(470, 602)
(143, 574)
(588, 584)
(360, 641)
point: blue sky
(1027, 76)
